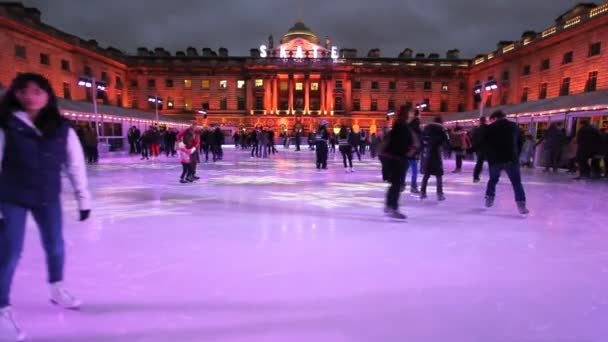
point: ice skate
(396, 214)
(9, 329)
(489, 201)
(62, 297)
(521, 207)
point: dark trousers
(512, 170)
(12, 234)
(92, 154)
(133, 147)
(186, 171)
(394, 169)
(170, 148)
(425, 182)
(322, 151)
(145, 151)
(255, 151)
(356, 150)
(362, 148)
(481, 158)
(347, 155)
(459, 157)
(554, 158)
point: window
(505, 75)
(205, 84)
(545, 64)
(259, 83)
(392, 85)
(283, 86)
(299, 86)
(591, 82)
(133, 84)
(206, 104)
(151, 83)
(88, 71)
(240, 84)
(565, 88)
(188, 84)
(119, 100)
(240, 103)
(135, 103)
(595, 49)
(356, 105)
(67, 94)
(45, 59)
(524, 95)
(104, 77)
(88, 95)
(374, 105)
(188, 103)
(443, 107)
(462, 86)
(568, 56)
(504, 98)
(168, 83)
(259, 101)
(526, 70)
(118, 82)
(444, 86)
(338, 102)
(65, 65)
(356, 84)
(428, 85)
(20, 51)
(391, 104)
(314, 86)
(461, 107)
(223, 103)
(223, 84)
(170, 103)
(542, 94)
(375, 85)
(338, 84)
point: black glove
(84, 214)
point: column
(330, 96)
(307, 95)
(249, 97)
(267, 95)
(275, 94)
(346, 101)
(290, 94)
(322, 81)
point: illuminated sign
(299, 52)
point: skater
(90, 148)
(478, 137)
(218, 142)
(396, 151)
(170, 139)
(526, 158)
(412, 162)
(145, 142)
(503, 141)
(355, 141)
(322, 149)
(346, 149)
(298, 139)
(552, 146)
(36, 143)
(434, 138)
(185, 156)
(460, 143)
(589, 141)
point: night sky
(473, 26)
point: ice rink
(274, 250)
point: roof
(571, 103)
(299, 30)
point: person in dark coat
(146, 141)
(355, 141)
(298, 139)
(434, 139)
(553, 143)
(589, 142)
(413, 160)
(480, 153)
(504, 142)
(605, 150)
(170, 139)
(394, 156)
(218, 141)
(321, 146)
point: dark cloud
(473, 26)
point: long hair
(49, 118)
(343, 134)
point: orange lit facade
(301, 80)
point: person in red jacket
(195, 142)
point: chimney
(433, 56)
(207, 52)
(223, 52)
(142, 51)
(420, 55)
(254, 53)
(453, 54)
(180, 54)
(407, 53)
(501, 44)
(191, 52)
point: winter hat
(324, 123)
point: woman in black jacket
(36, 144)
(397, 150)
(346, 149)
(434, 138)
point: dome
(299, 30)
